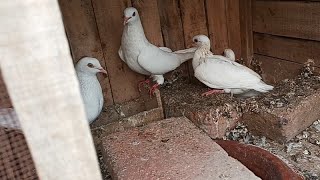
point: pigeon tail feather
(263, 87)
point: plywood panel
(217, 25)
(171, 25)
(110, 24)
(233, 23)
(246, 31)
(149, 14)
(194, 21)
(297, 50)
(83, 36)
(274, 70)
(292, 18)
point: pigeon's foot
(153, 88)
(212, 91)
(147, 82)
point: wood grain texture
(194, 22)
(287, 18)
(149, 14)
(246, 31)
(110, 24)
(217, 25)
(233, 24)
(296, 50)
(172, 29)
(81, 28)
(274, 70)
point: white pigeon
(223, 74)
(142, 56)
(228, 53)
(87, 69)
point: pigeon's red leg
(212, 91)
(142, 83)
(153, 88)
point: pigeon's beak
(125, 20)
(103, 71)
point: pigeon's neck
(87, 76)
(200, 55)
(135, 32)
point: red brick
(286, 111)
(214, 114)
(169, 149)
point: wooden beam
(233, 24)
(194, 22)
(287, 18)
(172, 30)
(217, 25)
(246, 31)
(297, 50)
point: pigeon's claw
(141, 83)
(153, 88)
(212, 91)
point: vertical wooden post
(171, 25)
(217, 25)
(194, 22)
(246, 31)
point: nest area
(183, 95)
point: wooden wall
(285, 35)
(94, 28)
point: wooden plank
(291, 19)
(296, 50)
(110, 24)
(217, 25)
(233, 24)
(194, 22)
(79, 22)
(149, 14)
(246, 31)
(172, 30)
(274, 70)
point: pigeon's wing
(165, 49)
(235, 64)
(121, 54)
(158, 61)
(220, 74)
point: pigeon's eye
(90, 65)
(134, 14)
(195, 40)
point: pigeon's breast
(92, 96)
(131, 50)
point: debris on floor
(290, 108)
(213, 114)
(302, 153)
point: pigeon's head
(89, 65)
(130, 15)
(201, 40)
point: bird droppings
(301, 153)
